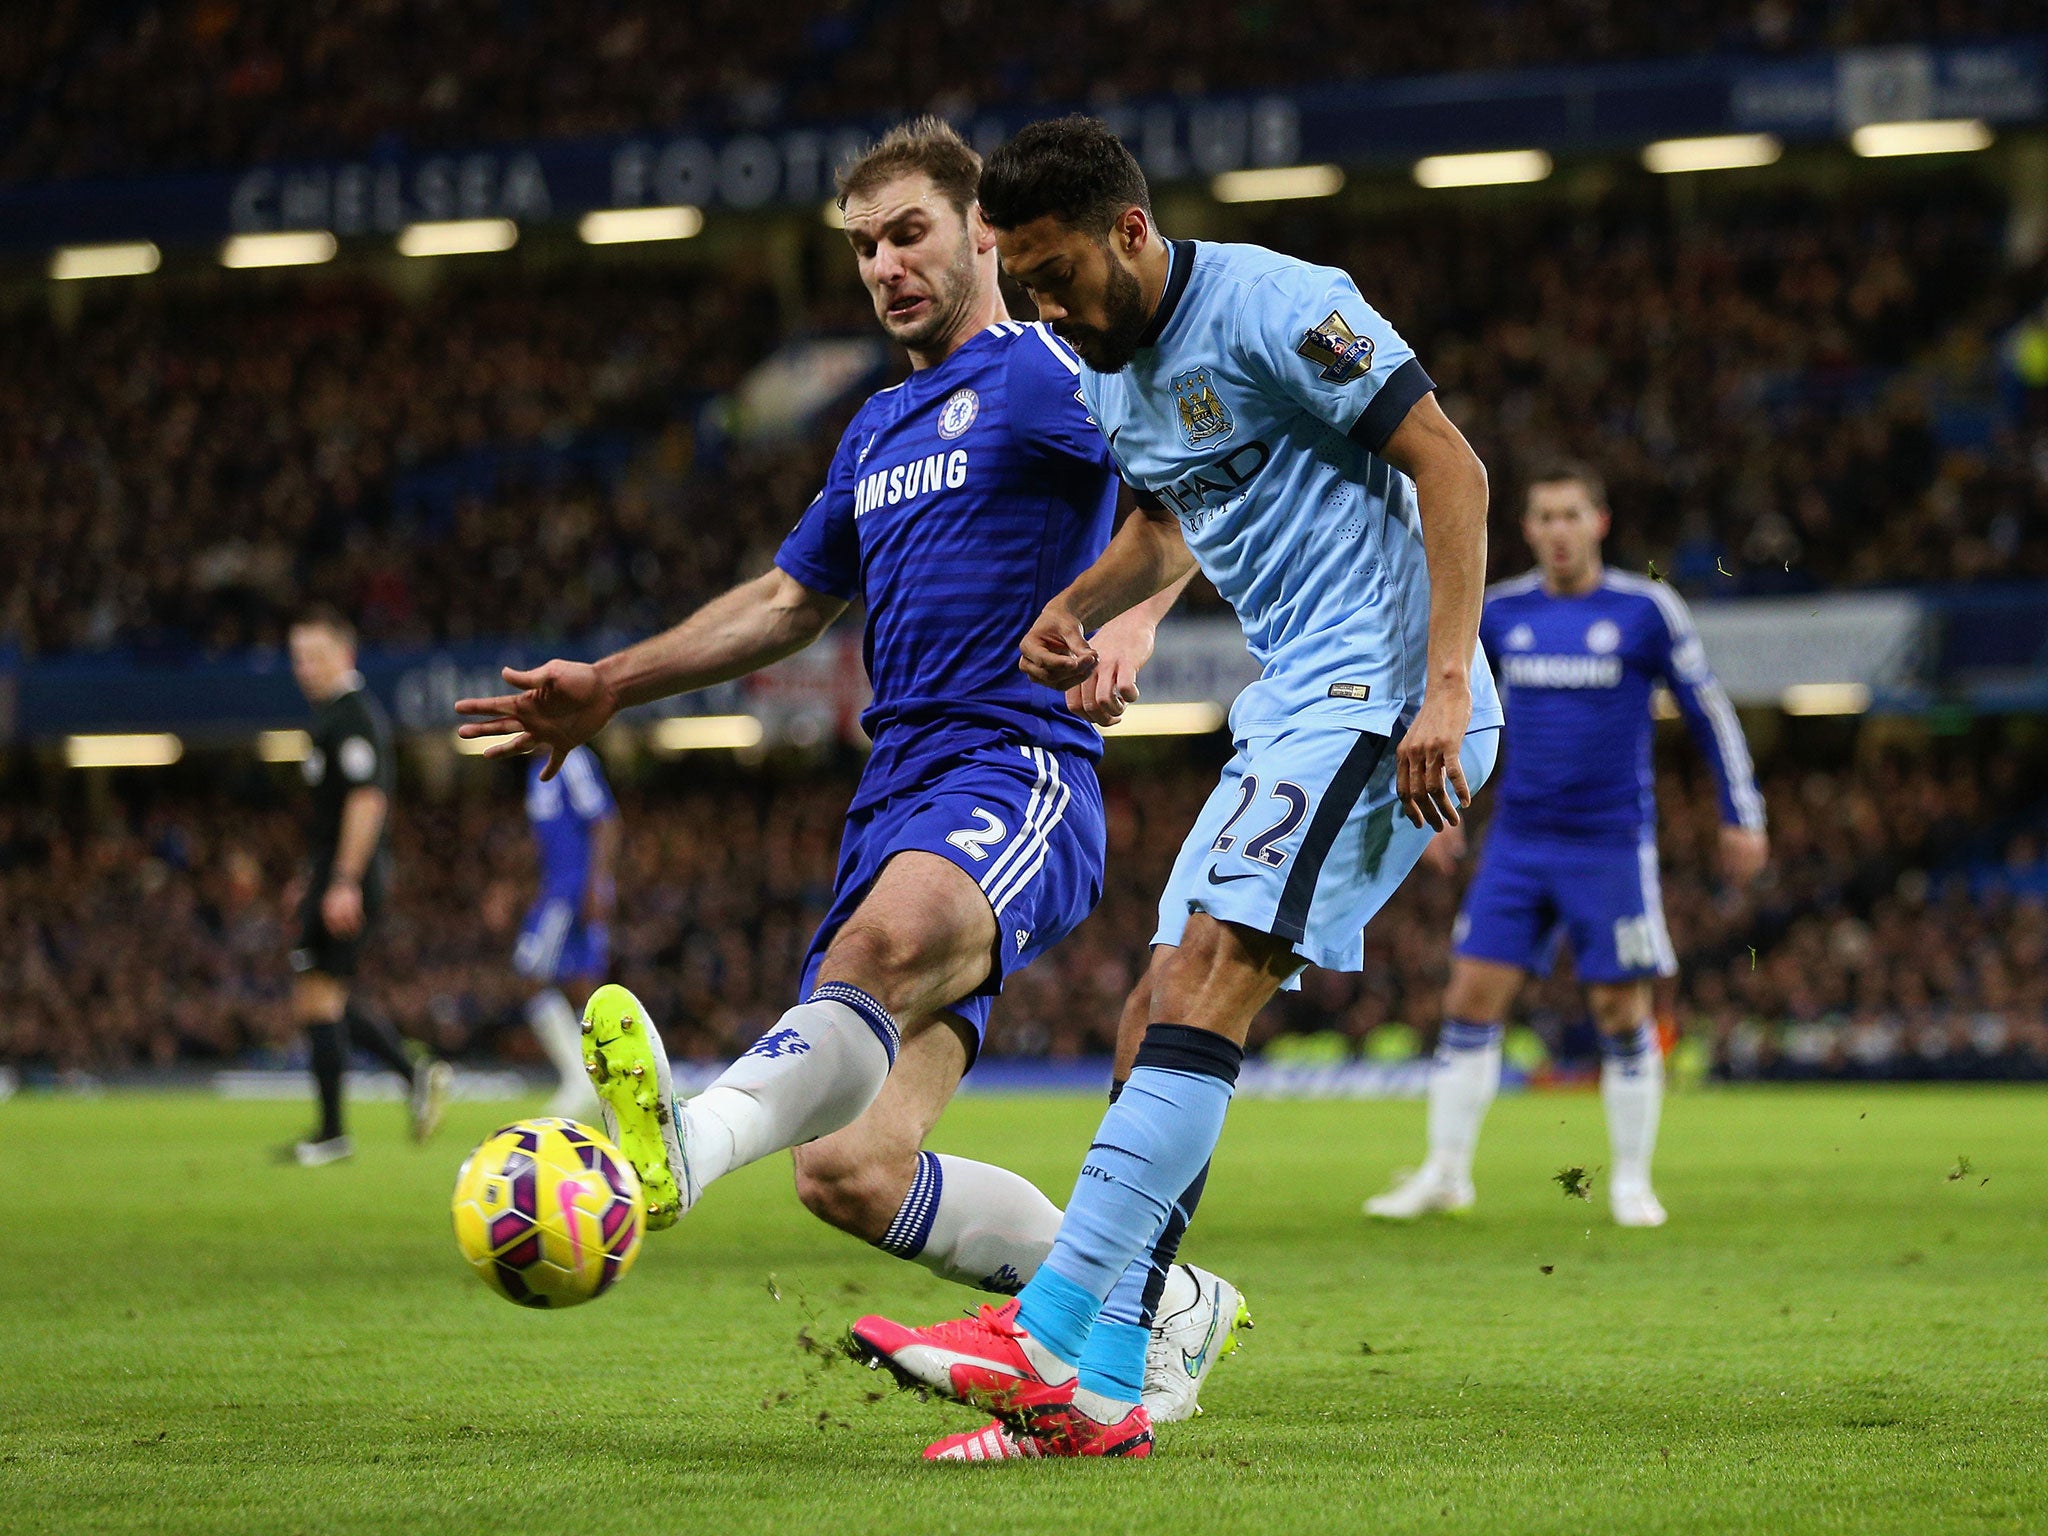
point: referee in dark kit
(350, 771)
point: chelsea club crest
(958, 413)
(1204, 418)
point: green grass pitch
(1844, 1328)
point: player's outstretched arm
(562, 704)
(1450, 497)
(1147, 556)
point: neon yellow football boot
(628, 1066)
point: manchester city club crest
(958, 413)
(1204, 418)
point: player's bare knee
(908, 968)
(846, 1189)
(879, 959)
(1210, 949)
(1617, 1010)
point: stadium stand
(176, 84)
(1799, 392)
(1901, 933)
(1800, 382)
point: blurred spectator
(1796, 393)
(173, 84)
(1901, 932)
(185, 470)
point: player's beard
(952, 295)
(1108, 348)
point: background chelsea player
(958, 502)
(1572, 849)
(1282, 435)
(565, 943)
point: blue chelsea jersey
(1256, 411)
(959, 503)
(1577, 673)
(562, 810)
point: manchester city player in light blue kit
(1281, 435)
(1571, 853)
(958, 503)
(565, 943)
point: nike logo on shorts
(1216, 879)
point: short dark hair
(328, 617)
(927, 144)
(1551, 471)
(1073, 168)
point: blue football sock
(1058, 1313)
(1113, 1364)
(1154, 1141)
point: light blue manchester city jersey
(1255, 411)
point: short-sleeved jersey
(351, 750)
(961, 501)
(1576, 672)
(1256, 411)
(562, 811)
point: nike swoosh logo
(1216, 879)
(1193, 1362)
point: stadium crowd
(1793, 393)
(176, 84)
(1901, 931)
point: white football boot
(1200, 1316)
(1635, 1204)
(1429, 1190)
(315, 1153)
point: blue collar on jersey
(1177, 273)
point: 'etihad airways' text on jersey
(960, 501)
(1256, 411)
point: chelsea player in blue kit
(958, 502)
(565, 942)
(1281, 435)
(1572, 849)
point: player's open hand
(559, 706)
(1122, 647)
(1429, 779)
(1743, 854)
(1055, 651)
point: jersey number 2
(974, 841)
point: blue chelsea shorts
(1024, 822)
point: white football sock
(1632, 1090)
(1462, 1085)
(814, 1072)
(555, 1026)
(972, 1222)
